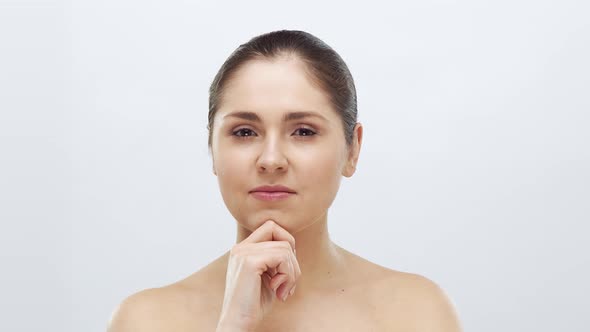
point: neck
(320, 260)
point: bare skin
(351, 295)
(276, 127)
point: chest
(368, 309)
(327, 323)
(359, 314)
(329, 316)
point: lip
(272, 193)
(277, 188)
(271, 196)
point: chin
(257, 219)
(290, 223)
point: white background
(474, 170)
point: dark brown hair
(323, 64)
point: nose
(272, 158)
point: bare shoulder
(422, 301)
(176, 307)
(405, 301)
(138, 312)
(170, 308)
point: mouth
(272, 193)
(273, 188)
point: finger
(296, 272)
(264, 247)
(287, 269)
(290, 286)
(266, 279)
(261, 261)
(272, 272)
(270, 231)
(283, 291)
(277, 281)
(278, 261)
(296, 266)
(282, 286)
(274, 260)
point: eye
(244, 132)
(305, 132)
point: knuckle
(250, 261)
(286, 255)
(236, 248)
(297, 270)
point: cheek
(231, 166)
(322, 173)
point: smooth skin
(276, 126)
(267, 255)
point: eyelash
(235, 133)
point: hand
(260, 267)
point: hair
(323, 65)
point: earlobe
(349, 171)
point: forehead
(273, 87)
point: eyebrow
(291, 116)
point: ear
(212, 162)
(353, 151)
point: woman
(283, 131)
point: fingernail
(285, 297)
(292, 291)
(295, 252)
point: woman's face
(275, 127)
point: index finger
(270, 231)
